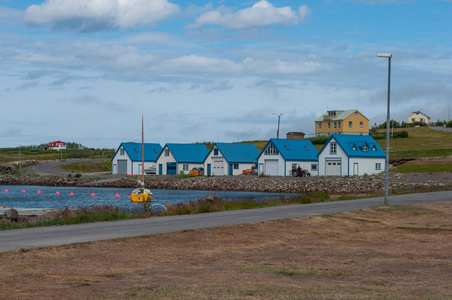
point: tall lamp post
(279, 117)
(388, 56)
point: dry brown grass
(376, 253)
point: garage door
(171, 169)
(218, 166)
(122, 167)
(333, 168)
(271, 167)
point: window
(215, 151)
(350, 124)
(313, 167)
(271, 149)
(339, 125)
(319, 125)
(356, 113)
(413, 120)
(185, 167)
(236, 166)
(365, 148)
(374, 148)
(354, 148)
(378, 166)
(121, 151)
(333, 148)
(328, 125)
(335, 124)
(361, 125)
(166, 152)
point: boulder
(12, 214)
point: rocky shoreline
(330, 185)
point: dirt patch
(400, 252)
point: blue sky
(86, 70)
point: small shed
(280, 156)
(346, 155)
(230, 159)
(295, 135)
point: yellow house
(418, 116)
(341, 122)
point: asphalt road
(51, 168)
(62, 235)
(442, 128)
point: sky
(85, 71)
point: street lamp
(388, 56)
(279, 117)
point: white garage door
(271, 167)
(333, 167)
(218, 166)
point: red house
(56, 145)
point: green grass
(422, 142)
(87, 167)
(427, 168)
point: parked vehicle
(299, 172)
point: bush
(319, 140)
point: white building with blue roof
(230, 159)
(347, 155)
(280, 156)
(127, 159)
(181, 158)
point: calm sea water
(83, 198)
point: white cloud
(261, 13)
(94, 15)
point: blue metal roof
(188, 153)
(238, 152)
(133, 150)
(294, 150)
(353, 145)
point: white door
(271, 167)
(218, 166)
(355, 168)
(333, 167)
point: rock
(68, 213)
(12, 214)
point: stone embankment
(44, 181)
(330, 185)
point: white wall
(117, 157)
(261, 163)
(340, 154)
(366, 165)
(163, 160)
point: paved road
(63, 235)
(49, 168)
(442, 128)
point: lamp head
(387, 55)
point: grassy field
(422, 142)
(87, 167)
(12, 154)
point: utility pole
(279, 118)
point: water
(105, 196)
